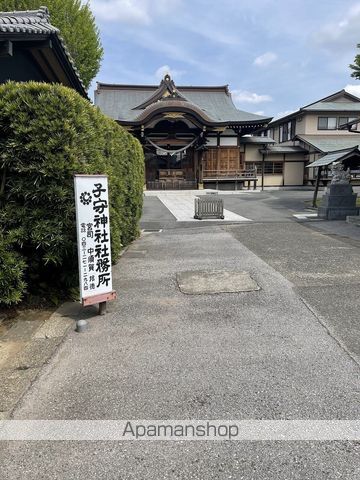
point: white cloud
(265, 59)
(260, 112)
(353, 89)
(124, 11)
(243, 96)
(132, 12)
(165, 69)
(342, 34)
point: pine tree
(356, 65)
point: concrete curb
(21, 369)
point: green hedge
(12, 269)
(48, 133)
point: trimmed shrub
(47, 134)
(12, 268)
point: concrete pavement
(163, 354)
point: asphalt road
(268, 206)
(286, 351)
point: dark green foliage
(12, 268)
(356, 66)
(47, 134)
(77, 26)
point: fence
(206, 207)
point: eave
(30, 36)
(49, 56)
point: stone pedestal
(338, 202)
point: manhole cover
(215, 281)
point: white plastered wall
(293, 173)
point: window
(273, 168)
(253, 165)
(287, 131)
(327, 123)
(332, 123)
(270, 168)
(343, 120)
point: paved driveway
(162, 354)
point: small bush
(47, 134)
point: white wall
(228, 141)
(293, 173)
(311, 123)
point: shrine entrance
(171, 157)
(166, 171)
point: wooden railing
(171, 184)
(229, 173)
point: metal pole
(317, 186)
(102, 308)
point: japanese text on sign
(93, 233)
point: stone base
(336, 213)
(338, 202)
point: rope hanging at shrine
(173, 152)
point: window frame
(327, 123)
(287, 131)
(274, 167)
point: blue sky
(276, 55)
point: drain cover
(215, 281)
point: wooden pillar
(218, 155)
(196, 165)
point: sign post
(93, 240)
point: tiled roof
(119, 102)
(332, 157)
(34, 22)
(31, 21)
(334, 107)
(341, 101)
(331, 143)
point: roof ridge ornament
(171, 90)
(166, 91)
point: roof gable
(167, 89)
(342, 96)
(341, 101)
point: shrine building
(193, 137)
